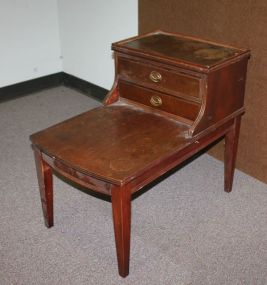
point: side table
(173, 95)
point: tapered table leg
(45, 181)
(231, 143)
(121, 208)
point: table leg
(121, 208)
(45, 181)
(231, 143)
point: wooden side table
(173, 95)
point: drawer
(158, 78)
(161, 101)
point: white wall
(87, 29)
(35, 33)
(29, 40)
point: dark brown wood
(171, 81)
(121, 208)
(195, 145)
(45, 181)
(171, 104)
(228, 83)
(184, 51)
(111, 143)
(221, 70)
(172, 96)
(231, 143)
(184, 48)
(77, 176)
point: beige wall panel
(242, 23)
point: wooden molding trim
(53, 80)
(84, 86)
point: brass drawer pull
(156, 101)
(155, 76)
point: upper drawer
(159, 78)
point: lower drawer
(161, 101)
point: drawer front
(158, 78)
(157, 100)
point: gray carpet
(185, 230)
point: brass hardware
(156, 101)
(155, 76)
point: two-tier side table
(173, 95)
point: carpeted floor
(185, 230)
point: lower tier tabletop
(115, 142)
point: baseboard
(53, 80)
(84, 87)
(30, 86)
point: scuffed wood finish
(111, 143)
(45, 181)
(172, 96)
(184, 48)
(188, 52)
